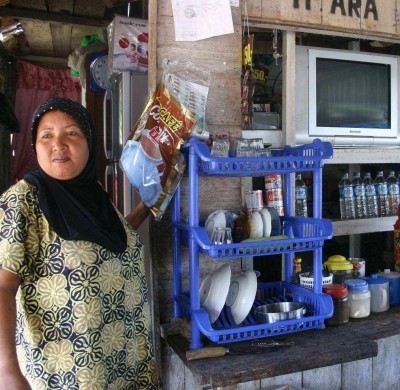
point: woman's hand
(138, 215)
(10, 374)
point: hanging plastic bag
(151, 158)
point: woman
(73, 297)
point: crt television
(349, 98)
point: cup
(220, 147)
(221, 236)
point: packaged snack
(128, 45)
(151, 158)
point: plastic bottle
(296, 270)
(370, 196)
(393, 193)
(346, 198)
(300, 197)
(360, 209)
(381, 195)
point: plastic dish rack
(224, 330)
(301, 234)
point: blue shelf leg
(289, 211)
(193, 248)
(176, 245)
(317, 213)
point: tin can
(273, 182)
(254, 200)
(358, 267)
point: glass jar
(340, 268)
(359, 298)
(340, 297)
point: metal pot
(280, 311)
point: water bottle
(393, 193)
(300, 197)
(346, 198)
(360, 209)
(381, 195)
(370, 196)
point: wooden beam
(19, 13)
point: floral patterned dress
(83, 317)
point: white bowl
(214, 290)
(256, 225)
(241, 295)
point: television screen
(352, 94)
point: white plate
(256, 225)
(241, 295)
(267, 225)
(214, 290)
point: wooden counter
(311, 350)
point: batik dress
(83, 318)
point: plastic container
(340, 267)
(379, 288)
(308, 282)
(340, 297)
(359, 298)
(394, 285)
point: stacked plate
(237, 291)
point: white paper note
(201, 19)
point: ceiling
(54, 28)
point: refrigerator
(124, 101)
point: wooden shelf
(364, 156)
(360, 226)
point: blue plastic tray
(224, 330)
(304, 234)
(286, 160)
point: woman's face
(61, 147)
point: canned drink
(274, 195)
(258, 199)
(248, 196)
(273, 181)
(280, 210)
(358, 266)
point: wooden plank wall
(369, 18)
(222, 57)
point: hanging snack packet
(151, 158)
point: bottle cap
(356, 284)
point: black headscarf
(79, 208)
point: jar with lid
(379, 288)
(340, 297)
(359, 298)
(340, 268)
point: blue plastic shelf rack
(303, 234)
(224, 330)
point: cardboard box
(127, 45)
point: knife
(211, 352)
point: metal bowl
(280, 311)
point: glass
(221, 236)
(220, 147)
(245, 152)
(263, 153)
